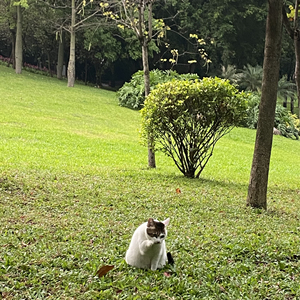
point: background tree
(294, 33)
(250, 78)
(40, 43)
(102, 47)
(19, 39)
(142, 25)
(235, 28)
(138, 17)
(286, 89)
(8, 23)
(257, 190)
(80, 12)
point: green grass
(74, 185)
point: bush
(186, 119)
(132, 94)
(285, 122)
(251, 118)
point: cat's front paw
(148, 243)
(145, 245)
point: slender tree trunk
(49, 63)
(292, 106)
(60, 56)
(284, 103)
(151, 153)
(297, 52)
(144, 39)
(19, 45)
(257, 190)
(294, 33)
(85, 71)
(298, 108)
(13, 49)
(113, 79)
(71, 65)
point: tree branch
(286, 23)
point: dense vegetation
(74, 186)
(231, 33)
(206, 38)
(132, 94)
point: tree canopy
(231, 32)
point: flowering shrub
(5, 59)
(27, 67)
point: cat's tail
(170, 258)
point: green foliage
(187, 118)
(132, 94)
(22, 3)
(250, 78)
(285, 122)
(250, 121)
(286, 89)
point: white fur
(146, 252)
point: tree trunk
(151, 153)
(49, 63)
(257, 190)
(297, 53)
(19, 46)
(284, 103)
(298, 108)
(113, 80)
(85, 70)
(60, 56)
(71, 65)
(294, 33)
(13, 49)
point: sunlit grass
(74, 184)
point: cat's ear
(166, 222)
(150, 223)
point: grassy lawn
(74, 185)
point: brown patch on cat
(154, 228)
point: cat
(147, 249)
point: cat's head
(156, 230)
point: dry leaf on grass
(103, 270)
(167, 274)
(178, 191)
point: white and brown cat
(147, 249)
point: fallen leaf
(23, 244)
(178, 191)
(103, 270)
(167, 274)
(222, 289)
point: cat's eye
(162, 236)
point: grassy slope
(74, 185)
